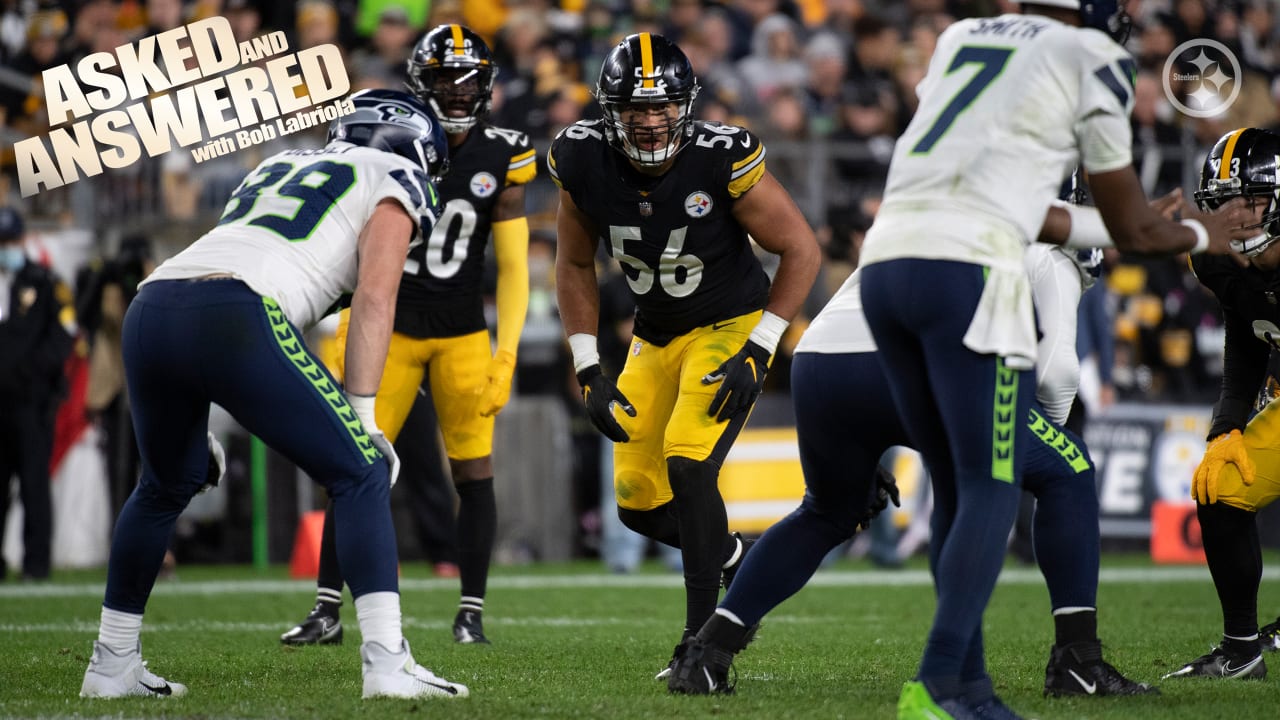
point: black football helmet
(395, 122)
(1243, 163)
(1109, 16)
(646, 69)
(452, 70)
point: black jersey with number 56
(687, 260)
(441, 291)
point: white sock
(119, 631)
(378, 614)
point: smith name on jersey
(442, 290)
(687, 260)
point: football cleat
(1269, 636)
(702, 669)
(468, 628)
(1078, 669)
(915, 703)
(730, 569)
(390, 673)
(112, 676)
(1221, 664)
(676, 654)
(322, 627)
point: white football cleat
(111, 676)
(395, 674)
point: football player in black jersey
(440, 328)
(1240, 471)
(674, 201)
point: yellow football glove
(496, 392)
(1224, 449)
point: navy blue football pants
(845, 420)
(191, 343)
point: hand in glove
(600, 393)
(496, 392)
(1224, 449)
(741, 378)
(363, 407)
(886, 491)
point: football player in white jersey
(222, 322)
(1009, 105)
(846, 420)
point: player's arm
(511, 247)
(1244, 368)
(1138, 228)
(578, 297)
(577, 293)
(381, 249)
(771, 217)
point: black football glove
(884, 492)
(600, 393)
(741, 378)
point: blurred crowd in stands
(828, 85)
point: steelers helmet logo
(698, 204)
(483, 184)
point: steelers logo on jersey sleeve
(483, 184)
(698, 204)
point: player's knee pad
(660, 523)
(836, 527)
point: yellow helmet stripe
(459, 43)
(1224, 171)
(646, 59)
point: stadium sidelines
(874, 578)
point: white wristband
(585, 354)
(363, 405)
(768, 331)
(1202, 235)
(1087, 228)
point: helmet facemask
(459, 95)
(639, 130)
(1217, 192)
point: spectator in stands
(775, 63)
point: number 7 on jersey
(992, 61)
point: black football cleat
(322, 627)
(1221, 664)
(1078, 669)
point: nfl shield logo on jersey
(698, 204)
(483, 184)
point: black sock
(1074, 627)
(703, 528)
(329, 579)
(477, 526)
(1234, 553)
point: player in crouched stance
(1240, 472)
(221, 323)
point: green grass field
(572, 642)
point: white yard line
(876, 578)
